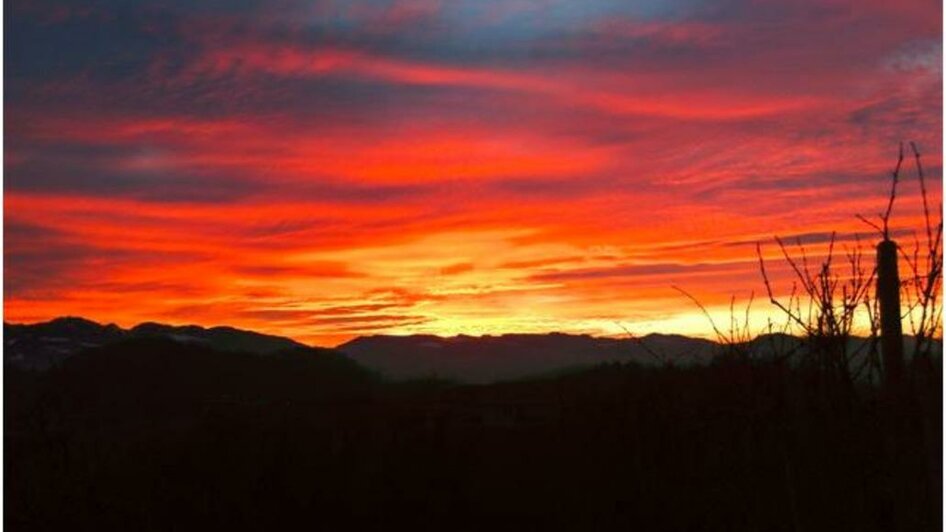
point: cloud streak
(327, 169)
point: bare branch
(893, 193)
(639, 341)
(719, 334)
(870, 223)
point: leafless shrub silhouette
(924, 280)
(829, 295)
(736, 342)
(921, 285)
(825, 307)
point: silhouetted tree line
(156, 435)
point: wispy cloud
(324, 169)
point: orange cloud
(334, 170)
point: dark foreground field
(155, 435)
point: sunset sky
(333, 168)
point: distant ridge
(462, 358)
(512, 356)
(39, 346)
(489, 358)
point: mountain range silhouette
(472, 359)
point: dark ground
(153, 435)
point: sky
(328, 169)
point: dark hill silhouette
(484, 359)
(43, 345)
(464, 358)
(472, 359)
(513, 356)
(161, 370)
(152, 433)
(222, 337)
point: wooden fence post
(888, 294)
